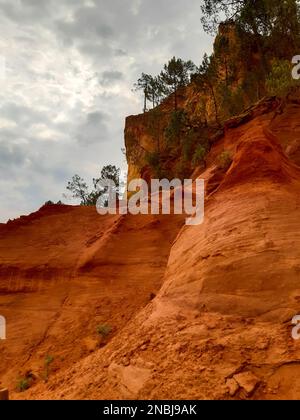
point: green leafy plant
(176, 125)
(23, 384)
(224, 160)
(153, 159)
(280, 80)
(199, 155)
(104, 330)
(48, 361)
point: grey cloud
(10, 155)
(87, 23)
(109, 77)
(94, 129)
(21, 114)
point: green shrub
(174, 129)
(231, 100)
(280, 80)
(199, 155)
(224, 160)
(48, 360)
(24, 383)
(153, 159)
(104, 330)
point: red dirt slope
(65, 270)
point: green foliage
(49, 359)
(280, 80)
(176, 125)
(79, 188)
(47, 362)
(153, 159)
(175, 74)
(152, 87)
(199, 155)
(274, 24)
(206, 79)
(224, 160)
(188, 145)
(231, 100)
(104, 330)
(51, 203)
(23, 384)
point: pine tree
(176, 74)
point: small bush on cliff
(51, 203)
(280, 80)
(231, 101)
(48, 361)
(25, 382)
(224, 160)
(104, 330)
(153, 159)
(174, 129)
(199, 155)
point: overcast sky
(66, 87)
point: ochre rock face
(67, 270)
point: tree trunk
(145, 101)
(175, 99)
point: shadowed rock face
(197, 311)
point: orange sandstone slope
(66, 270)
(220, 326)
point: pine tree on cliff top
(176, 74)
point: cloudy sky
(66, 73)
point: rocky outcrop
(239, 82)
